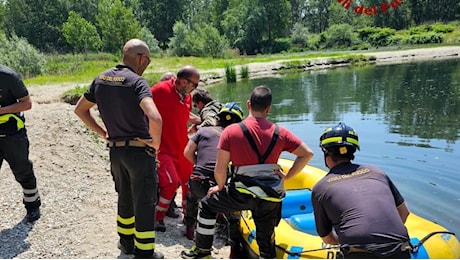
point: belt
(131, 143)
(404, 247)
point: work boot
(155, 255)
(195, 253)
(32, 214)
(160, 226)
(126, 246)
(172, 212)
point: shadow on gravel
(12, 240)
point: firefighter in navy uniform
(14, 143)
(357, 206)
(133, 134)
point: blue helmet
(340, 139)
(230, 113)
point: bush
(280, 45)
(315, 41)
(230, 73)
(442, 28)
(340, 35)
(423, 38)
(376, 36)
(299, 35)
(244, 72)
(21, 56)
(73, 95)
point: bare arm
(220, 172)
(189, 151)
(331, 239)
(304, 154)
(25, 103)
(155, 122)
(194, 119)
(83, 112)
(404, 212)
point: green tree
(160, 16)
(86, 8)
(181, 42)
(277, 16)
(38, 21)
(2, 17)
(117, 24)
(148, 37)
(81, 34)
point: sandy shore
(72, 167)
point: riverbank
(260, 69)
(73, 171)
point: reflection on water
(407, 117)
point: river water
(407, 117)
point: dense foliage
(216, 28)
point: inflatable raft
(296, 235)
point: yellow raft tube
(296, 235)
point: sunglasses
(191, 82)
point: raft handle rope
(416, 247)
(289, 252)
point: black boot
(33, 210)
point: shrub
(340, 35)
(299, 35)
(244, 72)
(21, 56)
(376, 36)
(73, 95)
(280, 45)
(230, 73)
(442, 28)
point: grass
(81, 69)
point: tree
(2, 17)
(160, 16)
(38, 21)
(148, 37)
(117, 24)
(180, 41)
(81, 34)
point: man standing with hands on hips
(133, 130)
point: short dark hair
(261, 98)
(335, 155)
(201, 95)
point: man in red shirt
(173, 100)
(254, 147)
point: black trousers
(15, 150)
(198, 188)
(136, 182)
(266, 215)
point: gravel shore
(78, 196)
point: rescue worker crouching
(201, 150)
